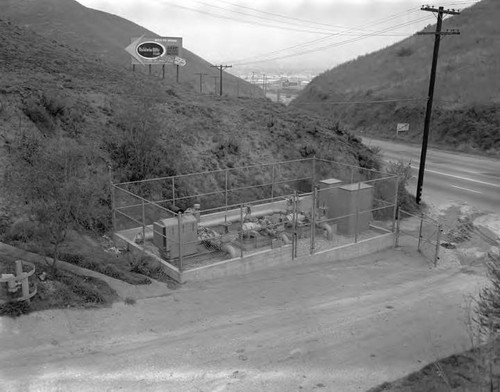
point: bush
(54, 105)
(14, 308)
(403, 171)
(38, 115)
(84, 287)
(23, 231)
(404, 52)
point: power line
(286, 17)
(316, 41)
(327, 46)
(287, 26)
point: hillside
(467, 95)
(140, 126)
(106, 35)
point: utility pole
(437, 39)
(201, 79)
(253, 85)
(215, 83)
(220, 68)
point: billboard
(155, 50)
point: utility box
(166, 235)
(327, 198)
(352, 198)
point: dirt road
(343, 327)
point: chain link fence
(419, 231)
(301, 207)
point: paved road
(343, 326)
(450, 176)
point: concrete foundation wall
(283, 256)
(123, 242)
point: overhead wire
(287, 25)
(259, 59)
(315, 41)
(280, 54)
(291, 18)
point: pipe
(255, 214)
(285, 238)
(229, 249)
(329, 231)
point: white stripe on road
(459, 177)
(465, 189)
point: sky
(278, 34)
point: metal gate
(421, 231)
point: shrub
(404, 173)
(84, 287)
(404, 52)
(54, 105)
(22, 231)
(14, 308)
(38, 115)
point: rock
(448, 245)
(494, 252)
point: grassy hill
(66, 115)
(106, 35)
(467, 95)
(50, 90)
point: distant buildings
(279, 87)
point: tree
(59, 186)
(135, 145)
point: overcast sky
(293, 33)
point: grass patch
(64, 290)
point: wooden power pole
(220, 68)
(437, 39)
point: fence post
(313, 221)
(294, 226)
(113, 207)
(352, 175)
(438, 244)
(143, 223)
(173, 191)
(357, 214)
(226, 181)
(313, 177)
(241, 230)
(179, 225)
(420, 231)
(396, 212)
(272, 180)
(398, 219)
(113, 202)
